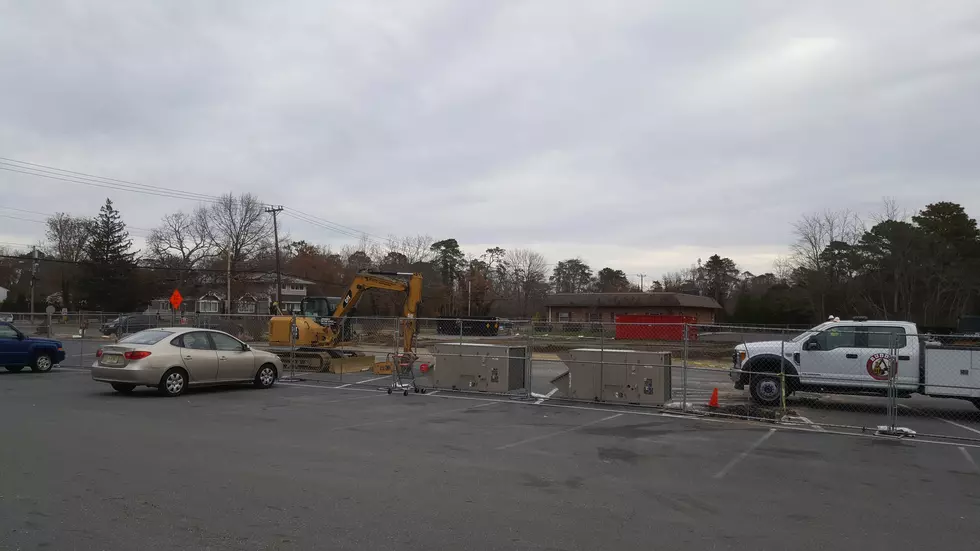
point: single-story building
(604, 307)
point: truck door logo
(879, 366)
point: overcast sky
(635, 134)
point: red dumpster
(655, 328)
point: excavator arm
(384, 280)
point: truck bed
(951, 371)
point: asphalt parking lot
(310, 465)
(954, 419)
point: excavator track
(319, 360)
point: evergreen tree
(110, 274)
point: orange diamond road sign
(176, 299)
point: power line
(313, 222)
(160, 268)
(337, 226)
(23, 210)
(84, 178)
(49, 214)
(12, 217)
(173, 194)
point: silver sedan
(173, 358)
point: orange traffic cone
(713, 402)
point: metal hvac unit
(620, 376)
(480, 367)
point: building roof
(270, 278)
(631, 300)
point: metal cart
(403, 373)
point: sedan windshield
(150, 336)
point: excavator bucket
(350, 364)
(382, 368)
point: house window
(290, 306)
(564, 317)
(246, 307)
(595, 317)
(207, 306)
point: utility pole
(469, 299)
(641, 276)
(275, 232)
(34, 267)
(228, 279)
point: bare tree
(527, 270)
(815, 231)
(416, 248)
(239, 225)
(890, 211)
(182, 239)
(674, 282)
(67, 236)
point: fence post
(892, 394)
(687, 332)
(782, 376)
(292, 348)
(395, 363)
(530, 359)
(460, 348)
(602, 366)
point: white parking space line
(738, 458)
(365, 381)
(634, 413)
(396, 419)
(954, 423)
(542, 397)
(549, 435)
(805, 421)
(970, 459)
(378, 395)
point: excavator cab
(318, 307)
(320, 310)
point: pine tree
(108, 282)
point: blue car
(18, 351)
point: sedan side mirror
(245, 347)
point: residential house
(604, 307)
(256, 297)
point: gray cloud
(634, 133)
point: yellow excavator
(323, 328)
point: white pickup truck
(858, 357)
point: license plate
(111, 360)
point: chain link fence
(864, 376)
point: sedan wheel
(266, 376)
(173, 383)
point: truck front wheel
(766, 389)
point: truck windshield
(804, 335)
